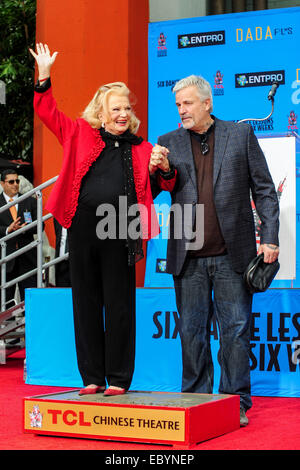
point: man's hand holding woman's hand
(159, 159)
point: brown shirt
(214, 243)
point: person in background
(103, 161)
(12, 220)
(62, 269)
(219, 163)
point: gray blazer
(239, 166)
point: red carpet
(274, 423)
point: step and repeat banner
(241, 55)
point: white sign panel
(280, 153)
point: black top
(104, 182)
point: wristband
(42, 87)
(167, 175)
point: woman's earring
(100, 117)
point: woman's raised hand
(43, 59)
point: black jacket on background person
(28, 260)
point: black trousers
(103, 290)
(62, 274)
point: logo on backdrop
(161, 265)
(249, 79)
(161, 45)
(218, 88)
(292, 121)
(259, 33)
(210, 38)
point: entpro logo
(249, 79)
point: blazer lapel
(186, 154)
(21, 207)
(221, 137)
(6, 215)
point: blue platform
(275, 342)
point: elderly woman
(104, 163)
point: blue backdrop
(240, 55)
(256, 47)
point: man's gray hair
(202, 85)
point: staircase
(12, 320)
(12, 331)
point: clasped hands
(159, 159)
(15, 225)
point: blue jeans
(232, 304)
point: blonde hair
(99, 104)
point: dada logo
(253, 34)
(258, 33)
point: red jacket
(82, 145)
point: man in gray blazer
(219, 164)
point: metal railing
(38, 243)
